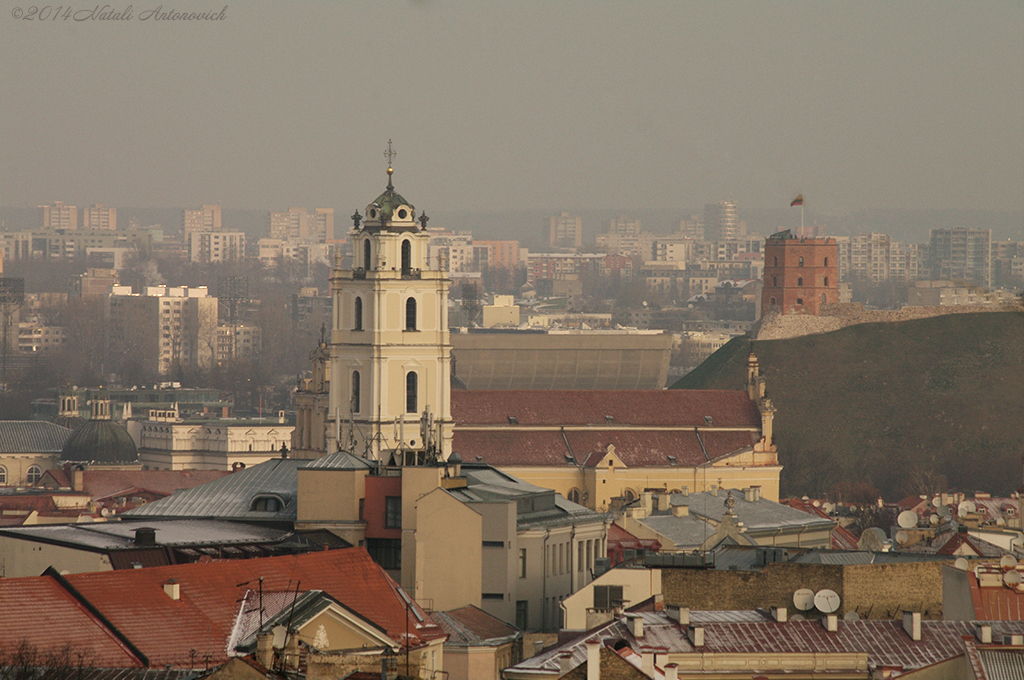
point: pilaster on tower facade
(390, 355)
(800, 274)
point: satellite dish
(826, 600)
(829, 507)
(105, 512)
(936, 502)
(902, 537)
(1000, 522)
(851, 616)
(907, 519)
(797, 617)
(1008, 562)
(962, 564)
(803, 599)
(1011, 578)
(280, 633)
(933, 519)
(943, 510)
(964, 508)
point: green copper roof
(389, 201)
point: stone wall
(775, 326)
(877, 591)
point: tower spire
(389, 154)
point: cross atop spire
(389, 153)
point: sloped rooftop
(231, 497)
(32, 436)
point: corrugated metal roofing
(32, 436)
(1002, 664)
(231, 497)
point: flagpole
(801, 218)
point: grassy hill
(908, 407)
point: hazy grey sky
(536, 105)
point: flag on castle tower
(799, 200)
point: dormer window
(267, 503)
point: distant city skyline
(540, 106)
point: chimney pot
(830, 622)
(564, 662)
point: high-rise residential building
(691, 227)
(207, 218)
(565, 231)
(722, 221)
(626, 226)
(961, 254)
(216, 246)
(164, 327)
(298, 224)
(323, 228)
(58, 216)
(99, 216)
(500, 254)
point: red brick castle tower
(800, 274)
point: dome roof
(102, 442)
(391, 211)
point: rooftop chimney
(265, 649)
(145, 536)
(593, 659)
(671, 671)
(681, 510)
(912, 624)
(564, 662)
(636, 625)
(173, 589)
(830, 622)
(780, 614)
(663, 501)
(696, 635)
(984, 634)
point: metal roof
(231, 497)
(32, 436)
(340, 460)
(107, 536)
(885, 642)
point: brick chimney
(265, 649)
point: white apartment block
(58, 216)
(166, 326)
(207, 218)
(216, 246)
(99, 216)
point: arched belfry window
(406, 256)
(366, 254)
(355, 391)
(826, 261)
(801, 262)
(800, 281)
(776, 261)
(826, 282)
(357, 313)
(410, 314)
(411, 391)
(775, 281)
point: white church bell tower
(390, 356)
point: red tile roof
(473, 625)
(38, 611)
(663, 408)
(635, 448)
(165, 630)
(103, 483)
